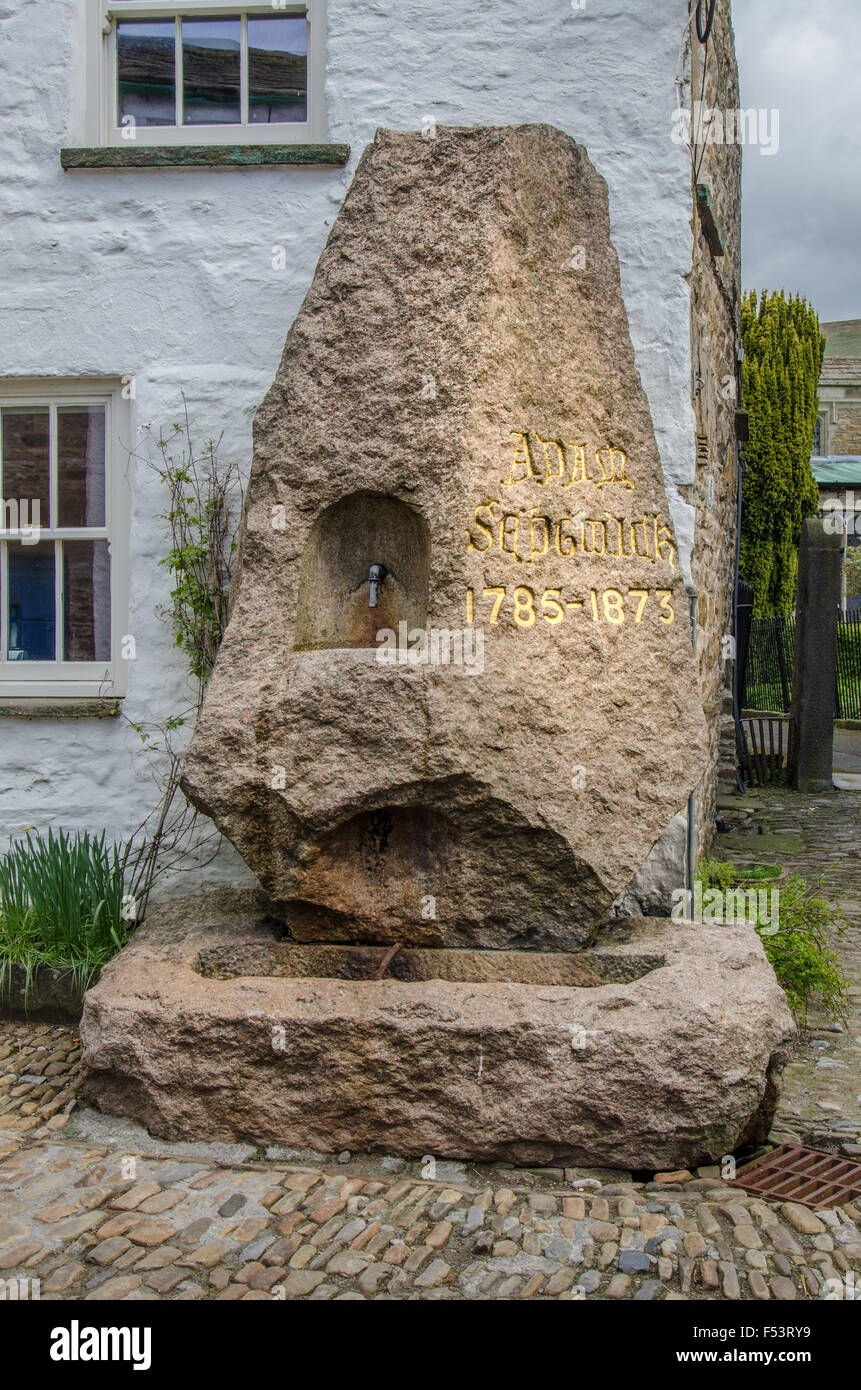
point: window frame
(826, 417)
(82, 679)
(101, 96)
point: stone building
(838, 426)
(838, 477)
(837, 442)
(715, 347)
(172, 173)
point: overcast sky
(802, 207)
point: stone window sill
(59, 708)
(200, 156)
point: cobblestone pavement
(96, 1209)
(107, 1221)
(818, 837)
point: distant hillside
(843, 338)
(149, 65)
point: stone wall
(846, 430)
(715, 291)
(840, 406)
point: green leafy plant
(201, 489)
(716, 873)
(852, 566)
(204, 501)
(783, 354)
(797, 946)
(720, 874)
(799, 951)
(755, 872)
(64, 903)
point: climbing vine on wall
(203, 503)
(201, 488)
(783, 352)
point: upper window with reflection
(187, 71)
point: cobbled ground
(96, 1209)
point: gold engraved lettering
(504, 533)
(500, 599)
(616, 460)
(560, 458)
(645, 553)
(578, 466)
(664, 538)
(643, 596)
(546, 524)
(560, 537)
(614, 606)
(620, 552)
(668, 612)
(522, 458)
(593, 549)
(524, 607)
(550, 600)
(483, 527)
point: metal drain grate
(808, 1176)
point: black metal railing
(768, 669)
(769, 654)
(849, 666)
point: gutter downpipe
(736, 694)
(692, 799)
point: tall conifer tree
(783, 352)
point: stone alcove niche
(354, 533)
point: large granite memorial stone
(457, 405)
(455, 707)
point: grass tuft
(64, 904)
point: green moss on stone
(200, 156)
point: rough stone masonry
(458, 404)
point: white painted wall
(167, 274)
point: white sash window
(64, 538)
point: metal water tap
(376, 575)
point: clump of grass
(718, 873)
(754, 872)
(64, 903)
(798, 945)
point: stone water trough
(456, 459)
(639, 1052)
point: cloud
(802, 208)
